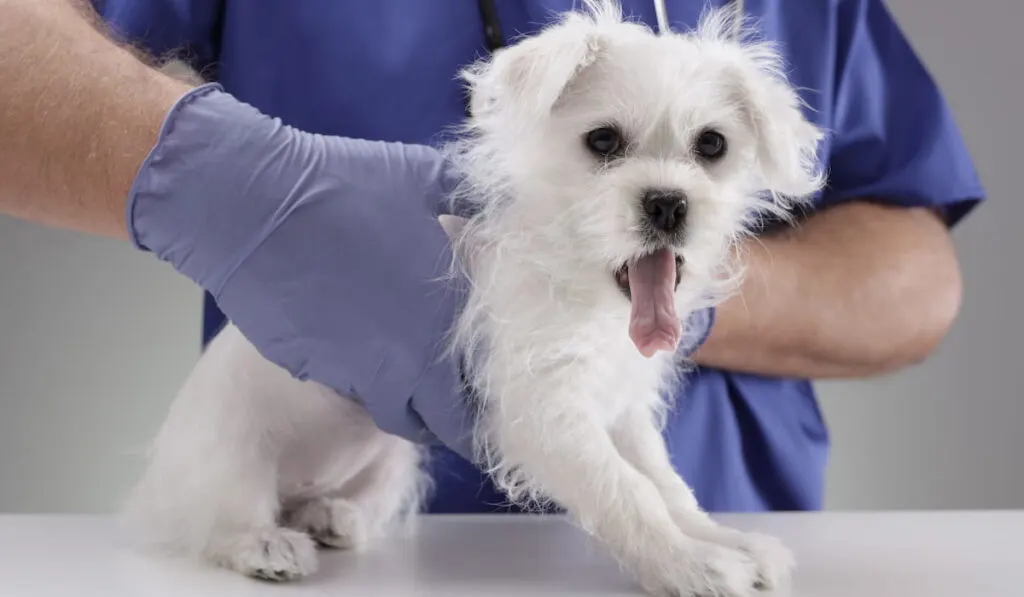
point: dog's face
(622, 144)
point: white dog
(612, 170)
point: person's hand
(326, 253)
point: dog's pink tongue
(653, 325)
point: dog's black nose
(666, 210)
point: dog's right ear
(532, 75)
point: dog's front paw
(775, 562)
(330, 522)
(716, 571)
(274, 554)
(706, 570)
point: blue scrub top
(386, 70)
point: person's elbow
(927, 303)
(940, 302)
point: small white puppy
(612, 171)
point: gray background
(95, 338)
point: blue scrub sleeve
(186, 29)
(894, 137)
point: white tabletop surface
(939, 554)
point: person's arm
(869, 282)
(855, 290)
(73, 138)
(253, 211)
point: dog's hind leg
(247, 536)
(381, 498)
(211, 488)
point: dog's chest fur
(570, 342)
(621, 378)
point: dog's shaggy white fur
(571, 131)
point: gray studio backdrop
(95, 338)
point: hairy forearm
(857, 290)
(78, 115)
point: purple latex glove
(324, 251)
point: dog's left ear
(787, 142)
(532, 75)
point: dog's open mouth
(622, 277)
(650, 282)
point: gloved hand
(324, 251)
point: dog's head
(619, 145)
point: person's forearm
(78, 115)
(854, 291)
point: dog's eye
(710, 145)
(605, 141)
